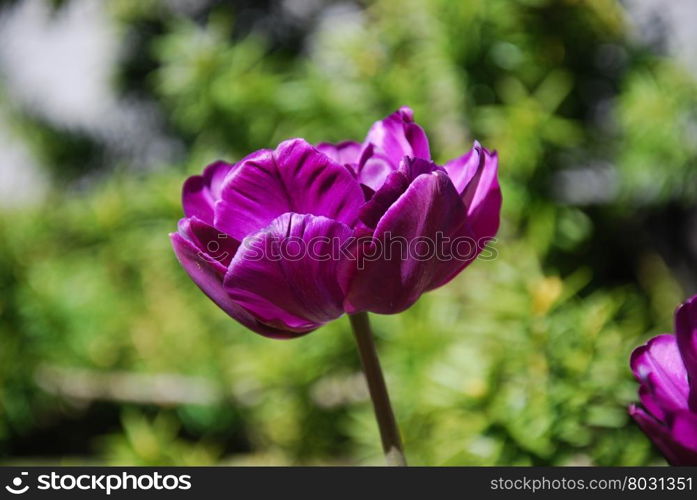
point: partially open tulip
(371, 227)
(666, 367)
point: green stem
(389, 433)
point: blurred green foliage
(521, 360)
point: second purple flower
(666, 367)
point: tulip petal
(388, 141)
(475, 176)
(208, 274)
(663, 438)
(398, 136)
(200, 192)
(461, 170)
(393, 187)
(286, 274)
(658, 366)
(683, 428)
(214, 244)
(295, 177)
(686, 336)
(396, 183)
(649, 401)
(343, 153)
(402, 260)
(373, 171)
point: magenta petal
(200, 192)
(662, 437)
(475, 176)
(648, 399)
(461, 170)
(213, 243)
(396, 183)
(658, 366)
(374, 171)
(393, 187)
(402, 260)
(197, 200)
(683, 428)
(286, 274)
(686, 335)
(398, 136)
(215, 174)
(482, 196)
(208, 274)
(295, 177)
(343, 153)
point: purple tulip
(666, 367)
(340, 206)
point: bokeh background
(109, 354)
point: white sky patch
(60, 64)
(673, 19)
(23, 182)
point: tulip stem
(389, 433)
